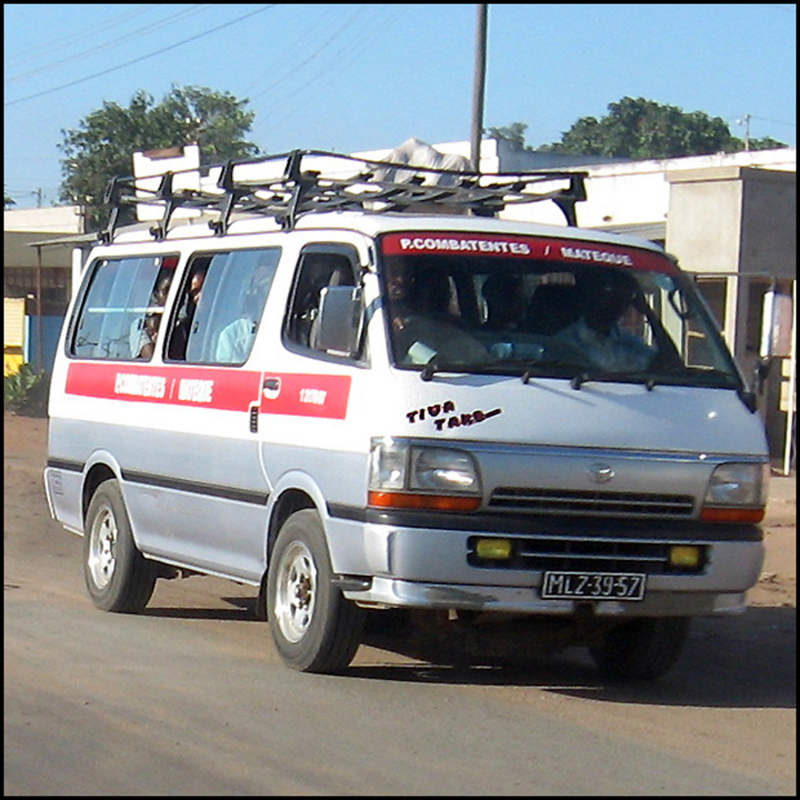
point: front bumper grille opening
(540, 554)
(557, 501)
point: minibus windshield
(549, 308)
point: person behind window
(422, 325)
(144, 331)
(605, 295)
(505, 302)
(180, 335)
(236, 339)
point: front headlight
(438, 469)
(404, 475)
(736, 493)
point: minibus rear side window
(220, 306)
(319, 267)
(122, 308)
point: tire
(644, 649)
(117, 576)
(314, 628)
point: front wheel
(643, 649)
(314, 628)
(117, 575)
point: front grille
(583, 554)
(560, 501)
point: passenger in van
(236, 339)
(422, 324)
(552, 307)
(605, 295)
(144, 331)
(505, 302)
(180, 335)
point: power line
(293, 70)
(105, 45)
(32, 53)
(775, 121)
(141, 58)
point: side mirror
(337, 328)
(776, 325)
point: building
(37, 282)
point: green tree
(513, 133)
(8, 201)
(102, 145)
(641, 129)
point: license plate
(593, 585)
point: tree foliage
(640, 129)
(102, 145)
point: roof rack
(288, 185)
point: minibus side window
(316, 270)
(220, 307)
(121, 311)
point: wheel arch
(96, 474)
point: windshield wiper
(434, 366)
(636, 377)
(429, 370)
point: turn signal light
(717, 514)
(437, 502)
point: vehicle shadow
(746, 661)
(242, 609)
(738, 662)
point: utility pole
(745, 120)
(478, 86)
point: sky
(349, 78)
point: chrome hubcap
(295, 593)
(103, 548)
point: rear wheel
(314, 628)
(117, 576)
(643, 649)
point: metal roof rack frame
(354, 184)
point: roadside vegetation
(25, 392)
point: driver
(421, 324)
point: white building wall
(58, 219)
(638, 192)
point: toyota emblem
(601, 473)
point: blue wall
(50, 331)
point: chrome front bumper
(389, 592)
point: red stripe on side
(305, 395)
(204, 387)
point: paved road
(191, 699)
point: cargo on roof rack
(287, 185)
